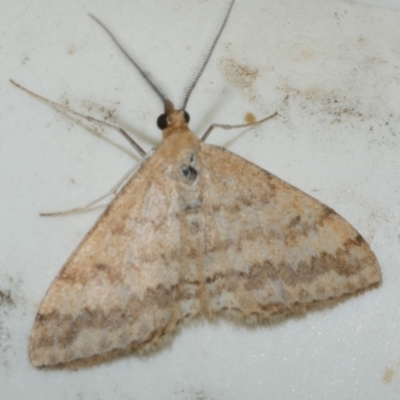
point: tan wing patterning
(271, 249)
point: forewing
(119, 289)
(272, 250)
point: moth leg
(61, 107)
(112, 192)
(223, 126)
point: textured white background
(331, 70)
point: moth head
(165, 120)
(172, 119)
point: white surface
(331, 70)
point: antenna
(146, 75)
(149, 79)
(191, 86)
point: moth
(196, 231)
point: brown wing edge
(159, 341)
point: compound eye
(186, 116)
(162, 121)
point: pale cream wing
(271, 249)
(120, 288)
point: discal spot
(189, 172)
